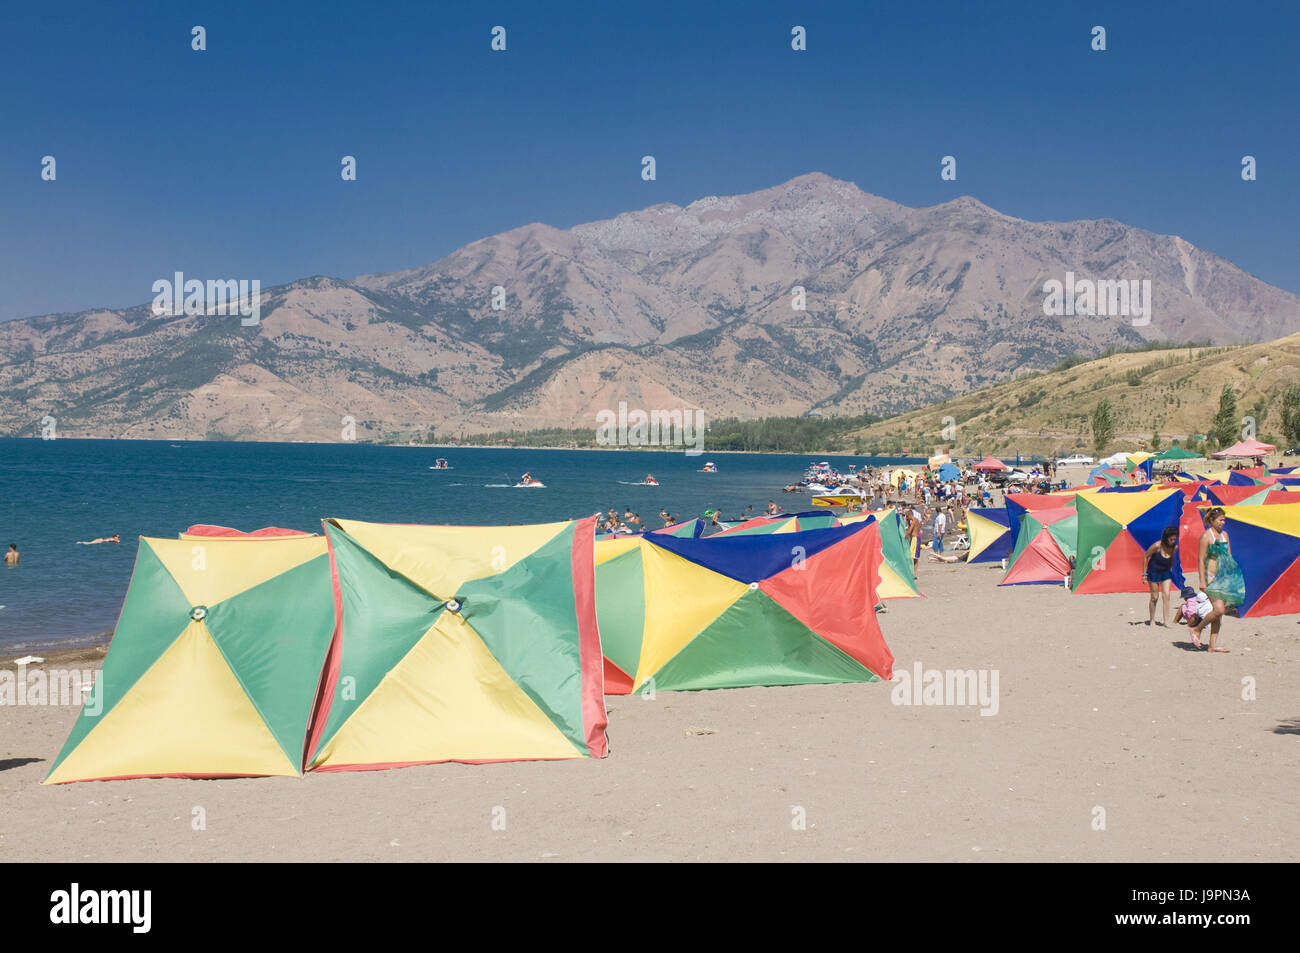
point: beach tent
(687, 528)
(938, 460)
(690, 528)
(1219, 476)
(1140, 461)
(1191, 526)
(896, 476)
(949, 472)
(214, 662)
(990, 534)
(1235, 495)
(1044, 547)
(784, 523)
(991, 463)
(1018, 504)
(728, 612)
(897, 574)
(461, 643)
(1107, 476)
(1265, 541)
(1114, 532)
(1177, 453)
(1245, 448)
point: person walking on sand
(12, 557)
(1158, 572)
(1226, 585)
(940, 527)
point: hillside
(1174, 393)
(667, 307)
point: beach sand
(1094, 712)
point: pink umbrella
(991, 463)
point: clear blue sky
(226, 163)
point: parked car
(1075, 460)
(1293, 452)
(1005, 477)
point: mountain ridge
(665, 306)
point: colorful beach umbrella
(1045, 545)
(1018, 504)
(989, 533)
(1265, 541)
(1114, 532)
(1232, 494)
(461, 643)
(991, 463)
(1107, 475)
(214, 663)
(687, 528)
(728, 612)
(784, 523)
(897, 574)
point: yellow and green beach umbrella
(214, 664)
(460, 643)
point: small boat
(440, 464)
(837, 499)
(709, 468)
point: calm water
(55, 492)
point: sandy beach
(1094, 711)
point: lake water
(55, 492)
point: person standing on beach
(1158, 572)
(12, 557)
(1226, 585)
(912, 533)
(940, 527)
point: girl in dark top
(1158, 571)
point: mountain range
(664, 308)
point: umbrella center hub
(199, 613)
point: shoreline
(66, 655)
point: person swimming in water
(12, 557)
(115, 538)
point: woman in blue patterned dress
(1220, 576)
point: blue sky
(225, 163)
